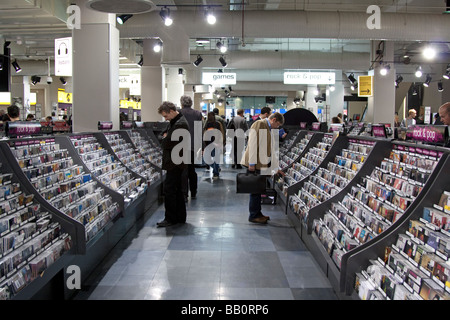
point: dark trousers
(173, 196)
(237, 149)
(190, 178)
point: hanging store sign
(63, 57)
(218, 78)
(365, 86)
(309, 78)
(64, 97)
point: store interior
(92, 173)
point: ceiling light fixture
(418, 72)
(63, 80)
(446, 75)
(180, 72)
(198, 61)
(429, 53)
(351, 78)
(385, 69)
(165, 15)
(440, 86)
(1, 63)
(16, 66)
(141, 61)
(157, 47)
(210, 17)
(427, 81)
(35, 80)
(223, 48)
(123, 18)
(398, 80)
(223, 62)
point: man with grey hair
(444, 113)
(189, 177)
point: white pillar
(175, 85)
(335, 99)
(311, 103)
(381, 106)
(95, 70)
(152, 82)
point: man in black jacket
(174, 204)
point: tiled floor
(217, 254)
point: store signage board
(429, 133)
(63, 57)
(64, 97)
(309, 78)
(365, 86)
(218, 78)
(22, 128)
(379, 131)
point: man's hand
(251, 168)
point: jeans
(254, 206)
(190, 178)
(215, 165)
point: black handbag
(250, 182)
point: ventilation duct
(121, 6)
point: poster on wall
(365, 86)
(63, 57)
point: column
(381, 106)
(175, 85)
(152, 82)
(311, 103)
(335, 99)
(95, 70)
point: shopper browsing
(13, 114)
(174, 204)
(210, 155)
(238, 126)
(253, 152)
(444, 114)
(190, 179)
(409, 121)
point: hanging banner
(309, 78)
(365, 86)
(63, 57)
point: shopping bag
(250, 182)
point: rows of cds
(150, 151)
(30, 241)
(327, 182)
(288, 158)
(106, 169)
(372, 207)
(65, 185)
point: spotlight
(63, 80)
(429, 53)
(157, 47)
(123, 18)
(141, 62)
(165, 15)
(210, 17)
(223, 62)
(354, 86)
(414, 93)
(447, 71)
(16, 66)
(351, 78)
(332, 88)
(385, 69)
(447, 7)
(419, 72)
(427, 81)
(398, 80)
(180, 72)
(223, 48)
(1, 63)
(198, 61)
(35, 79)
(440, 86)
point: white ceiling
(32, 26)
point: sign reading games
(218, 78)
(309, 78)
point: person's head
(444, 113)
(65, 117)
(53, 114)
(412, 113)
(276, 120)
(186, 102)
(211, 117)
(265, 112)
(240, 112)
(13, 112)
(339, 115)
(335, 120)
(48, 118)
(30, 117)
(216, 111)
(168, 110)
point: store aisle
(217, 254)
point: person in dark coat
(174, 204)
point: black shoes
(260, 220)
(164, 224)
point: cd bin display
(68, 200)
(352, 199)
